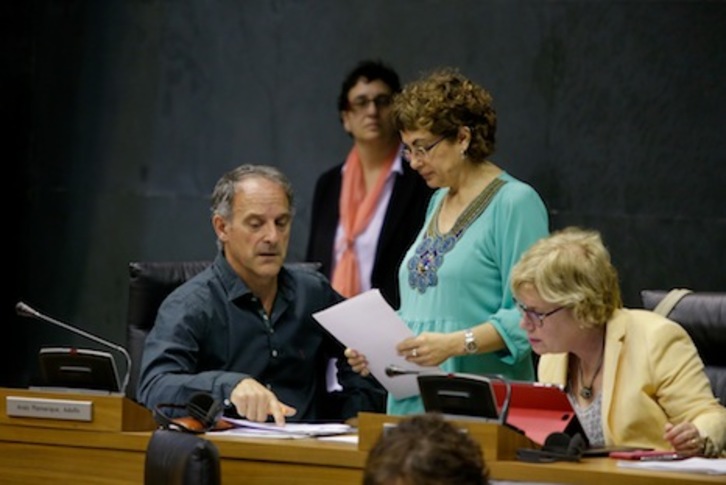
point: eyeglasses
(420, 152)
(361, 102)
(534, 317)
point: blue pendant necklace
(429, 255)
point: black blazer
(403, 220)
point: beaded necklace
(429, 255)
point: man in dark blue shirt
(243, 329)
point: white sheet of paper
(710, 466)
(368, 324)
(293, 429)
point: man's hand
(255, 402)
(357, 361)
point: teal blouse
(473, 284)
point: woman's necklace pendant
(429, 256)
(586, 392)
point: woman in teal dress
(455, 292)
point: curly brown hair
(425, 450)
(443, 102)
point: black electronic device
(69, 367)
(556, 447)
(96, 364)
(202, 413)
(462, 395)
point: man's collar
(236, 287)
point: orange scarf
(356, 210)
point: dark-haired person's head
(368, 71)
(425, 450)
(364, 104)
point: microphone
(393, 371)
(27, 311)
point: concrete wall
(125, 113)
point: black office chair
(703, 315)
(177, 458)
(149, 283)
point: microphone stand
(394, 371)
(25, 310)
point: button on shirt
(212, 332)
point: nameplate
(65, 409)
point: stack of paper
(246, 428)
(707, 466)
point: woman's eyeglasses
(421, 152)
(361, 102)
(535, 317)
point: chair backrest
(177, 458)
(149, 283)
(703, 315)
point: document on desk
(708, 466)
(367, 323)
(246, 428)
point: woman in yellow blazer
(634, 377)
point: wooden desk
(33, 455)
(593, 471)
(37, 455)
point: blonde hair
(572, 268)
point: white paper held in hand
(368, 324)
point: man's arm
(170, 365)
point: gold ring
(414, 353)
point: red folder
(538, 409)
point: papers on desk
(343, 438)
(709, 466)
(252, 429)
(367, 323)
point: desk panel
(37, 456)
(24, 464)
(258, 473)
(593, 471)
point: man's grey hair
(226, 187)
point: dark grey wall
(126, 113)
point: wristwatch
(470, 342)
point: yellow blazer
(652, 374)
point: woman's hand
(357, 361)
(684, 438)
(431, 349)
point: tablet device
(68, 367)
(538, 409)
